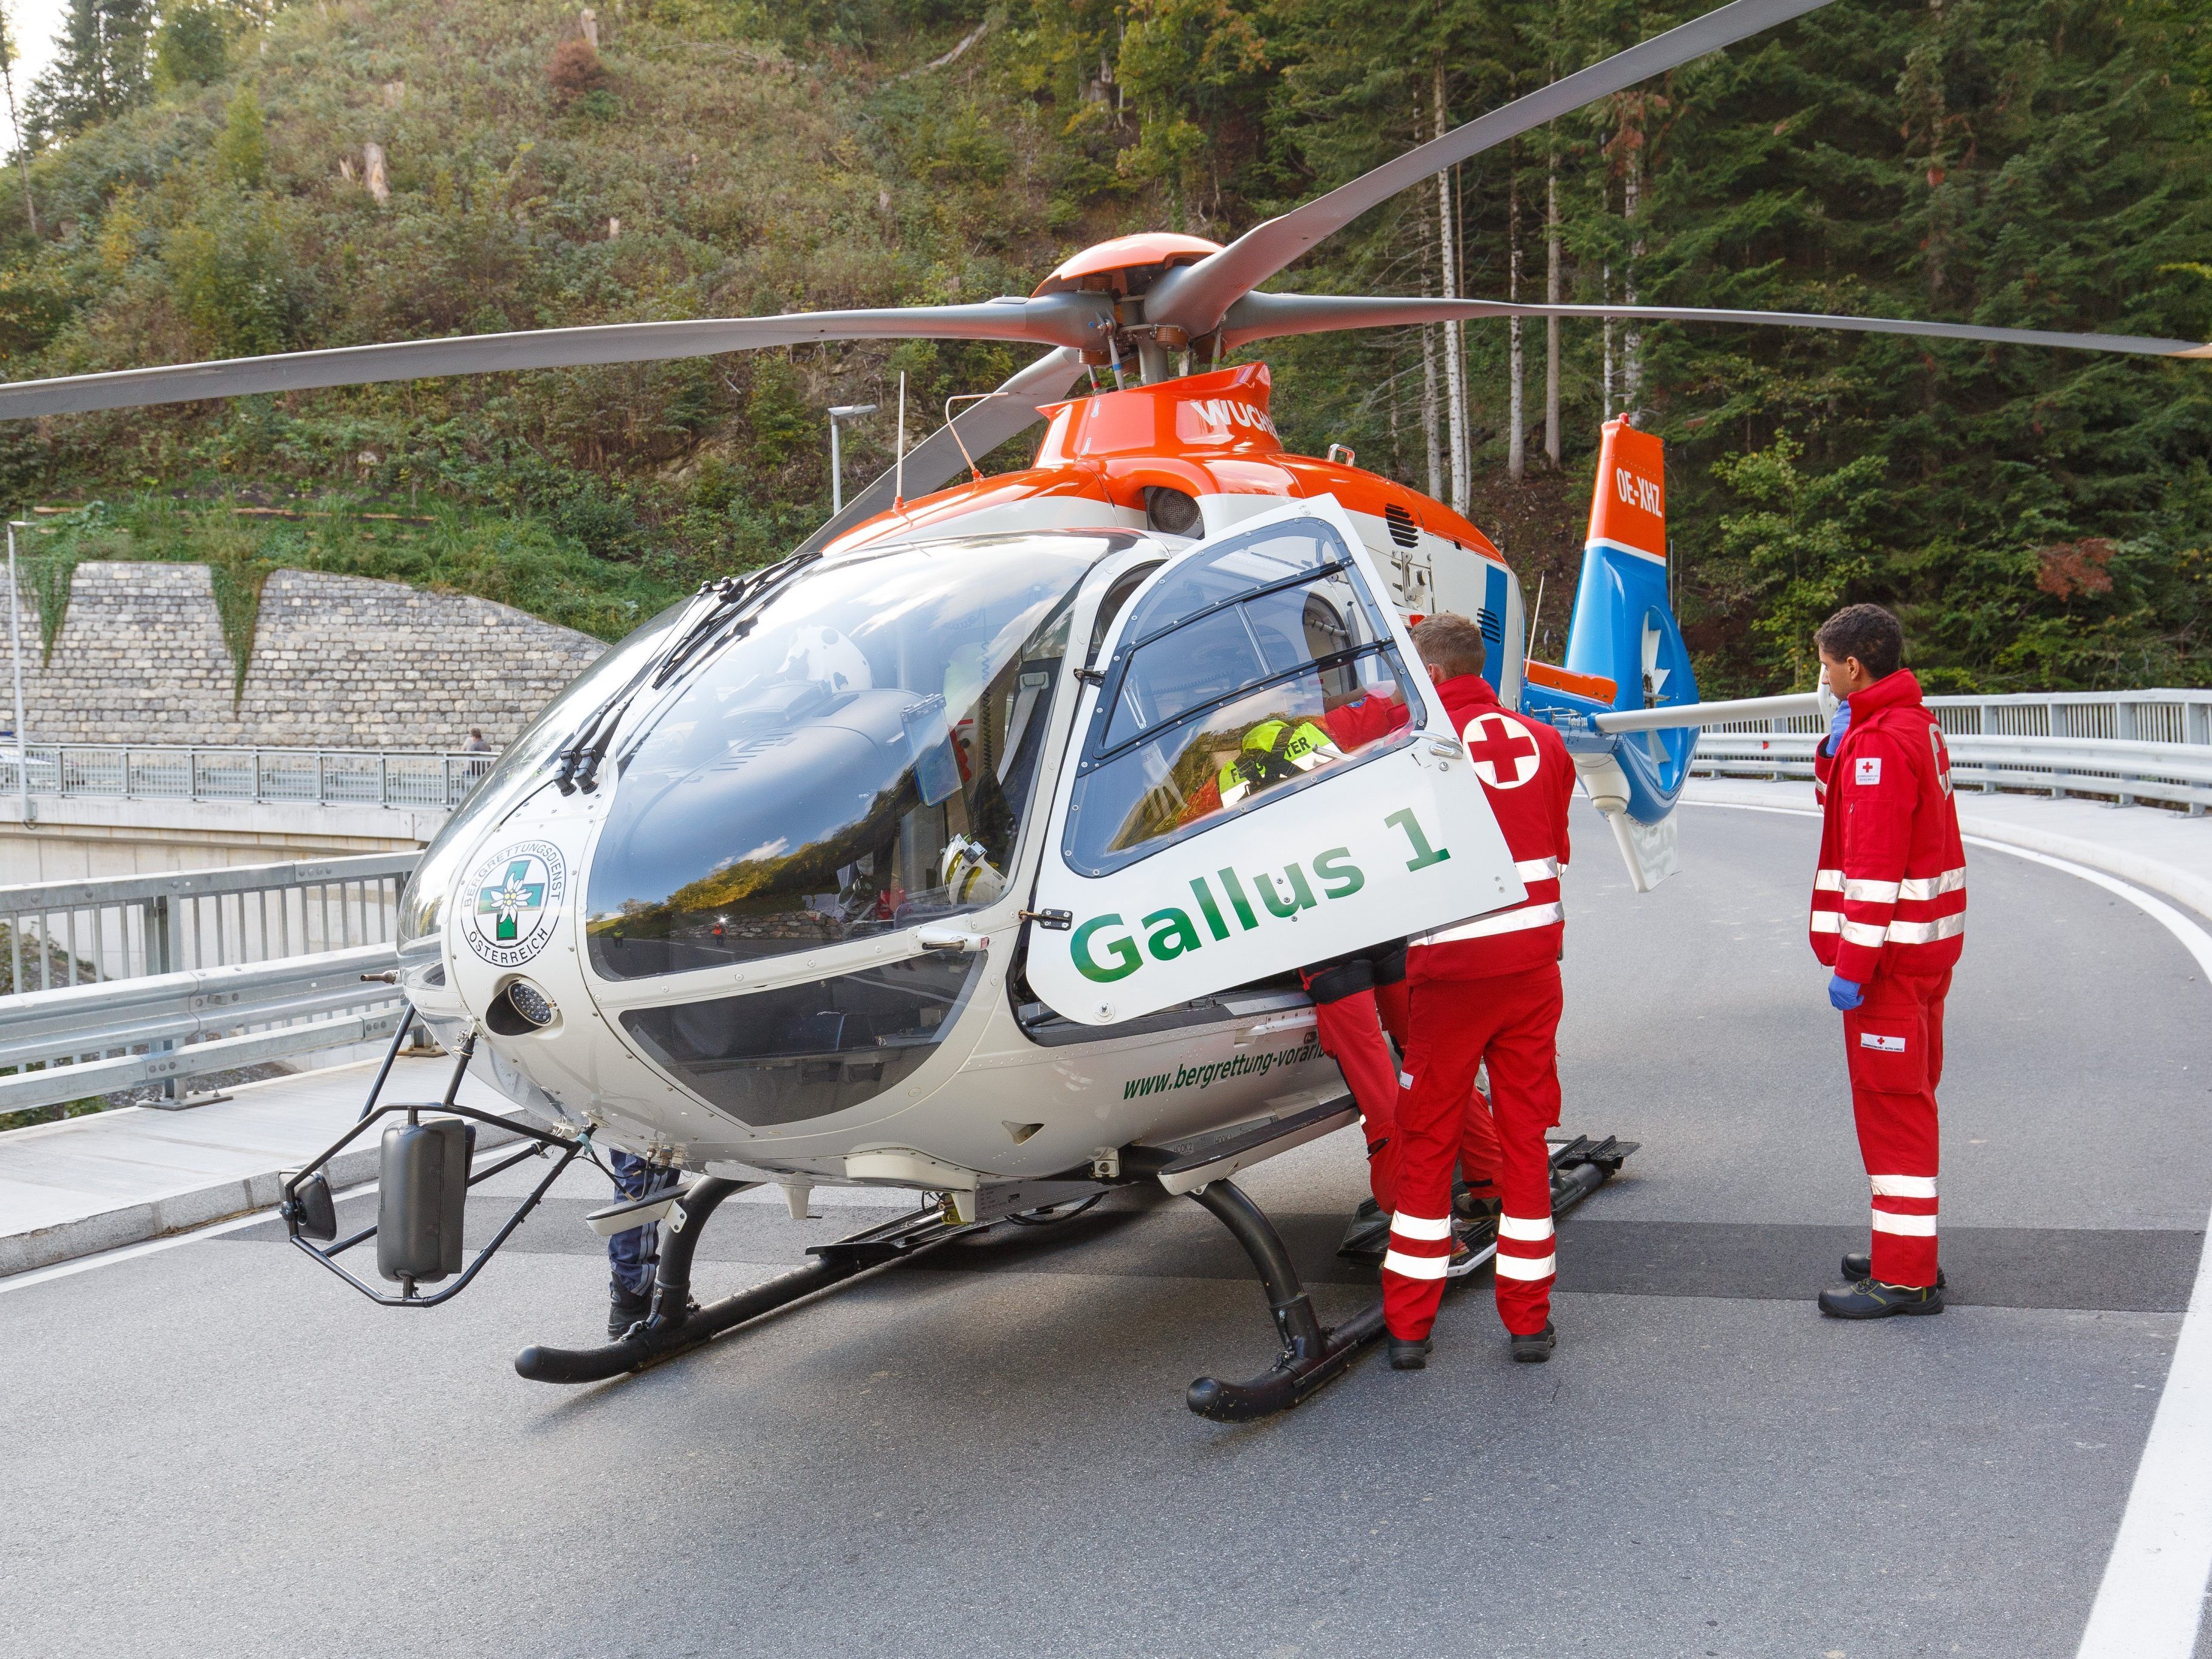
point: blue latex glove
(1844, 994)
(1838, 726)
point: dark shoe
(1407, 1354)
(1536, 1349)
(1477, 1201)
(1870, 1299)
(1859, 1264)
(624, 1310)
(1368, 1238)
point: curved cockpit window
(526, 763)
(805, 1051)
(1246, 671)
(857, 760)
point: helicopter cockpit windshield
(858, 759)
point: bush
(575, 70)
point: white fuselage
(1005, 1090)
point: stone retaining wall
(339, 662)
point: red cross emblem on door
(1505, 755)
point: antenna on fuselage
(898, 482)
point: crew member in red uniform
(1485, 990)
(1889, 916)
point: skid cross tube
(1311, 1355)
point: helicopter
(882, 865)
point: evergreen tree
(100, 67)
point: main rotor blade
(1260, 316)
(981, 428)
(1056, 319)
(1194, 297)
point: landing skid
(677, 1324)
(1311, 1354)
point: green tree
(190, 48)
(100, 66)
(242, 151)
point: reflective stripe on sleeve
(1928, 887)
(1914, 932)
(1910, 1226)
(1870, 892)
(1416, 1267)
(1827, 881)
(1426, 1228)
(1537, 869)
(1523, 1227)
(1510, 921)
(1864, 933)
(1898, 1186)
(1827, 921)
(1522, 1267)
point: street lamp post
(842, 412)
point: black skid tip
(542, 1364)
(1206, 1397)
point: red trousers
(1351, 1035)
(1894, 1044)
(1511, 1022)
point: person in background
(476, 743)
(633, 1256)
(1889, 916)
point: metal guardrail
(311, 777)
(153, 979)
(97, 1039)
(67, 933)
(2123, 746)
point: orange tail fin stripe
(1628, 507)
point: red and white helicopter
(879, 866)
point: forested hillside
(235, 177)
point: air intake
(1403, 530)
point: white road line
(85, 1264)
(2151, 1602)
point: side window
(1111, 607)
(1246, 671)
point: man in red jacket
(1889, 916)
(1486, 989)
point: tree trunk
(1631, 209)
(1517, 442)
(1605, 290)
(1429, 414)
(1455, 357)
(371, 172)
(1554, 290)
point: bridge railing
(131, 980)
(70, 933)
(311, 777)
(2115, 745)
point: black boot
(1410, 1354)
(1476, 1200)
(1859, 1264)
(624, 1309)
(1870, 1299)
(1536, 1348)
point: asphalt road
(217, 1449)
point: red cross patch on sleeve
(1869, 770)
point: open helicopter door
(1262, 777)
